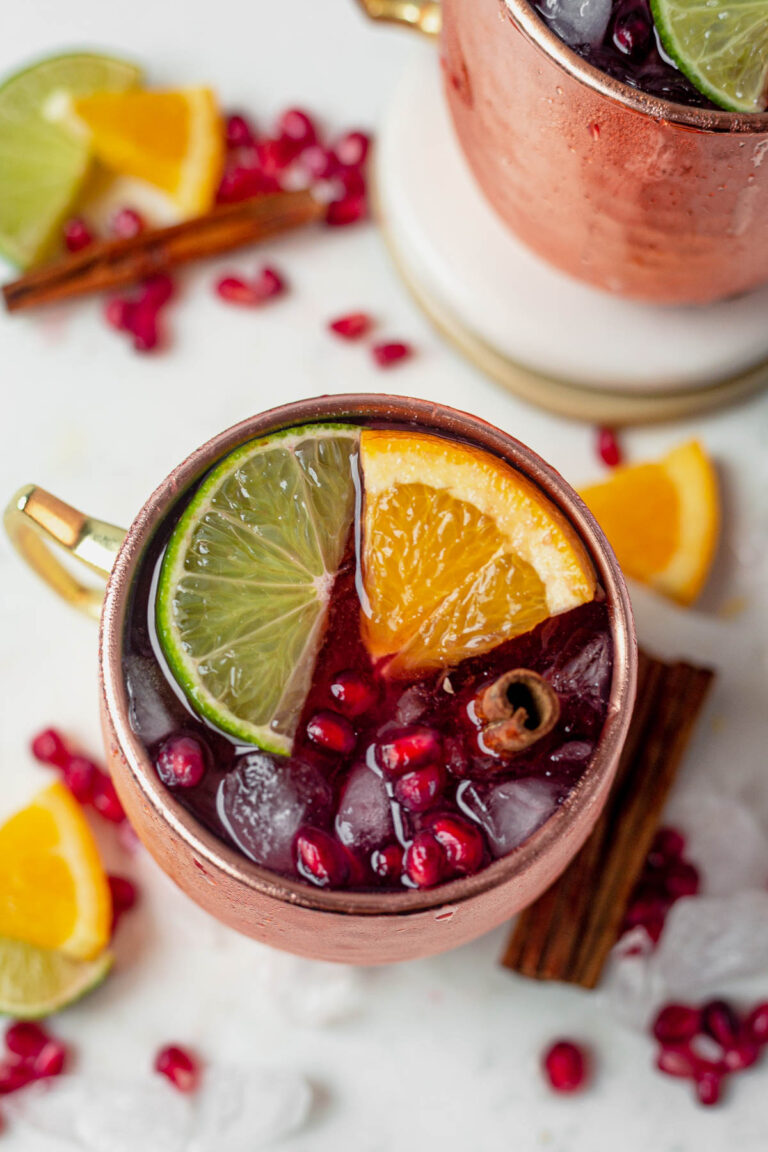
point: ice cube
(152, 707)
(584, 666)
(723, 840)
(239, 1111)
(364, 818)
(578, 21)
(508, 812)
(708, 940)
(264, 801)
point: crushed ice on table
(723, 839)
(364, 819)
(315, 993)
(262, 803)
(509, 812)
(104, 1115)
(631, 986)
(240, 1111)
(708, 940)
(578, 21)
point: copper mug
(633, 194)
(357, 927)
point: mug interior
(204, 844)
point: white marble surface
(437, 1054)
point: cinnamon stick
(106, 265)
(568, 932)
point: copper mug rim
(204, 844)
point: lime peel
(36, 982)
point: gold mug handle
(423, 15)
(34, 518)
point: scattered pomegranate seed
(25, 1039)
(709, 1088)
(239, 132)
(13, 1076)
(756, 1024)
(276, 155)
(353, 693)
(666, 877)
(417, 791)
(677, 1060)
(179, 1066)
(77, 235)
(387, 862)
(320, 859)
(424, 861)
(269, 283)
(407, 749)
(352, 326)
(461, 841)
(676, 1024)
(236, 291)
(319, 163)
(352, 149)
(127, 222)
(743, 1054)
(719, 1021)
(50, 1060)
(144, 327)
(124, 894)
(118, 313)
(181, 762)
(566, 1066)
(105, 799)
(49, 748)
(79, 775)
(608, 447)
(332, 733)
(242, 183)
(668, 844)
(393, 352)
(350, 183)
(347, 210)
(682, 879)
(157, 289)
(296, 126)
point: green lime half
(36, 982)
(721, 46)
(42, 163)
(247, 575)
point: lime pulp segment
(721, 46)
(42, 164)
(36, 982)
(247, 575)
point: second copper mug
(634, 194)
(357, 927)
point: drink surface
(397, 773)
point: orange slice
(662, 520)
(173, 140)
(53, 890)
(460, 552)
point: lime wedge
(42, 164)
(36, 982)
(721, 46)
(247, 575)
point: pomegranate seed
(608, 447)
(424, 860)
(668, 844)
(408, 748)
(179, 1066)
(319, 163)
(566, 1066)
(708, 1088)
(143, 325)
(124, 897)
(654, 926)
(347, 210)
(298, 127)
(351, 327)
(352, 149)
(676, 1024)
(353, 692)
(387, 862)
(645, 908)
(677, 1060)
(756, 1025)
(269, 283)
(743, 1054)
(236, 291)
(682, 879)
(239, 132)
(243, 183)
(25, 1039)
(332, 733)
(351, 184)
(105, 799)
(181, 762)
(14, 1075)
(719, 1021)
(157, 290)
(127, 222)
(417, 791)
(77, 234)
(461, 841)
(49, 748)
(49, 1061)
(276, 155)
(118, 313)
(393, 352)
(79, 775)
(320, 858)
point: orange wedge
(460, 552)
(173, 140)
(662, 520)
(53, 890)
